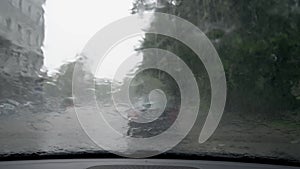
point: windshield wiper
(208, 156)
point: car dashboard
(134, 164)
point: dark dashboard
(134, 164)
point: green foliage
(258, 42)
(215, 34)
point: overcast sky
(71, 23)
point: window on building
(8, 23)
(20, 31)
(38, 18)
(20, 4)
(19, 28)
(28, 34)
(37, 40)
(29, 10)
(1, 20)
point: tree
(258, 43)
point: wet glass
(45, 48)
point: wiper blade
(207, 156)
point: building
(22, 22)
(22, 25)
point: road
(61, 132)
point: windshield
(138, 78)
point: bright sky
(71, 23)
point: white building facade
(22, 22)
